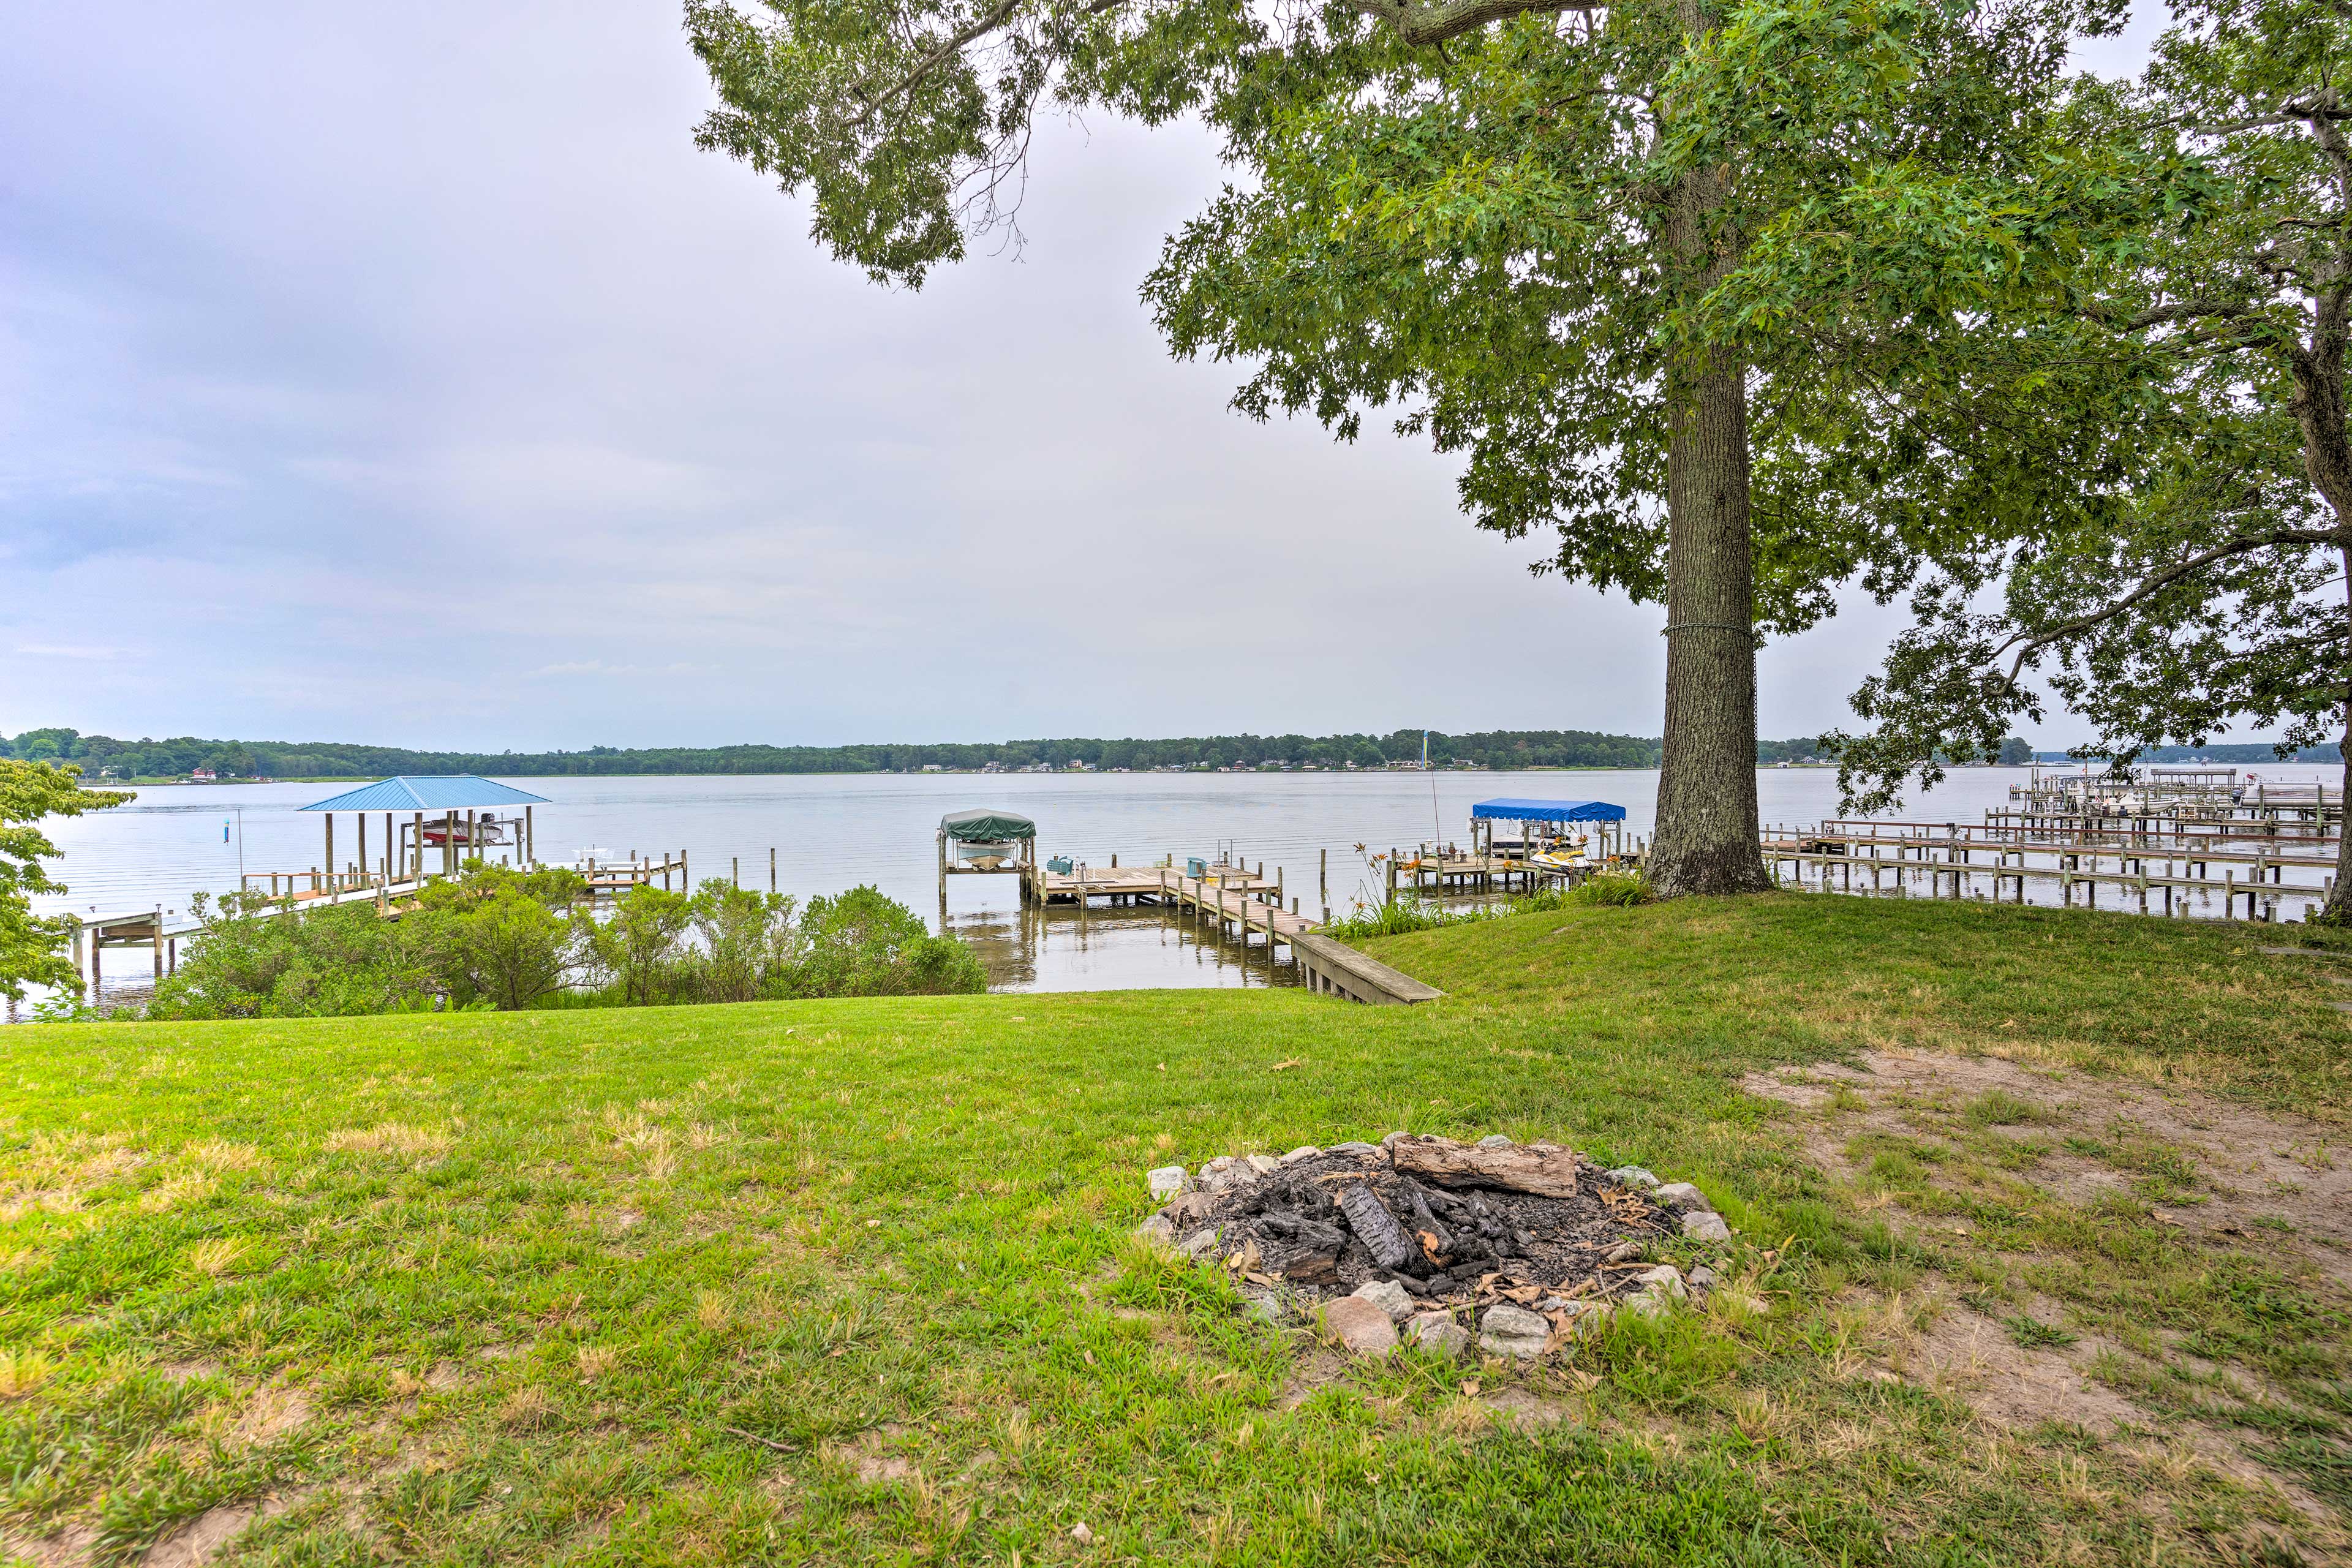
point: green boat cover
(986, 826)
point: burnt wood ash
(1332, 1221)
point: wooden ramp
(1335, 969)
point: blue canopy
(1515, 810)
(448, 792)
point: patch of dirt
(201, 1539)
(2254, 1170)
(69, 1548)
(1526, 1410)
(2012, 1386)
(273, 1411)
(1322, 1367)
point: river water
(832, 832)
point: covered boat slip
(448, 811)
(1543, 824)
(1545, 847)
(987, 840)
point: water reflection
(1059, 947)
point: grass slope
(849, 1281)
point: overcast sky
(406, 375)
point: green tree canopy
(1573, 242)
(32, 947)
(2179, 423)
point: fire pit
(1528, 1239)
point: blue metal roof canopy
(448, 792)
(1512, 809)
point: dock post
(78, 934)
(735, 871)
(330, 843)
(1323, 877)
(159, 929)
(771, 876)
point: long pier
(1841, 855)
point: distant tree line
(2236, 752)
(1501, 749)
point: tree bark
(1707, 834)
(2337, 910)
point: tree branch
(1433, 24)
(2028, 646)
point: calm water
(831, 833)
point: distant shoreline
(90, 782)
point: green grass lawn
(851, 1281)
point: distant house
(204, 775)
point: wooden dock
(1957, 864)
(1239, 900)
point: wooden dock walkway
(1843, 861)
(1238, 899)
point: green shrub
(495, 937)
(1614, 888)
(635, 955)
(748, 946)
(863, 943)
(495, 934)
(256, 959)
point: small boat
(985, 854)
(482, 830)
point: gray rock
(1632, 1176)
(1394, 1137)
(1267, 1310)
(1201, 1245)
(1681, 1197)
(1353, 1148)
(1659, 1289)
(1493, 1140)
(1158, 1230)
(1666, 1280)
(1360, 1325)
(1706, 1224)
(1702, 1278)
(1222, 1163)
(1390, 1297)
(1304, 1152)
(1513, 1330)
(1166, 1182)
(1436, 1331)
(1262, 1164)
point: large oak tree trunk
(2337, 910)
(1706, 836)
(1706, 833)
